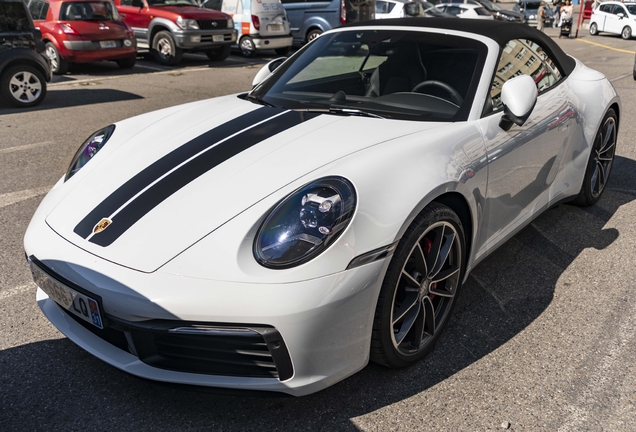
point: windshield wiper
(343, 111)
(253, 98)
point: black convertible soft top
(499, 31)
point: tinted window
(606, 8)
(13, 17)
(631, 8)
(38, 9)
(453, 10)
(522, 56)
(383, 7)
(212, 4)
(86, 11)
(619, 9)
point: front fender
(394, 181)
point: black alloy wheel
(420, 288)
(23, 86)
(219, 54)
(165, 50)
(59, 66)
(599, 166)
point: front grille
(253, 352)
(241, 350)
(212, 24)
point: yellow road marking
(605, 46)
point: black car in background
(24, 71)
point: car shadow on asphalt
(84, 95)
(54, 380)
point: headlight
(230, 23)
(187, 24)
(91, 146)
(305, 223)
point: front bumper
(204, 39)
(325, 324)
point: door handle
(122, 15)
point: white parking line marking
(14, 197)
(25, 147)
(621, 77)
(148, 67)
(16, 290)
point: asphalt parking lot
(543, 337)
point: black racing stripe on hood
(189, 172)
(168, 162)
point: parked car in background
(396, 9)
(261, 24)
(77, 31)
(497, 11)
(614, 17)
(465, 10)
(530, 9)
(170, 27)
(24, 71)
(309, 19)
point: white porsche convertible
(278, 240)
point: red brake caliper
(428, 245)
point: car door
(618, 22)
(611, 20)
(524, 161)
(136, 14)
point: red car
(82, 31)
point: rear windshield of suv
(13, 17)
(87, 11)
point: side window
(619, 9)
(453, 10)
(125, 2)
(607, 8)
(522, 56)
(38, 9)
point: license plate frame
(218, 38)
(108, 44)
(84, 305)
(274, 27)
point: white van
(261, 24)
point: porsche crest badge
(102, 225)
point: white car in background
(614, 17)
(464, 10)
(396, 9)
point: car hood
(149, 194)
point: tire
(247, 47)
(219, 54)
(593, 29)
(23, 86)
(127, 63)
(165, 50)
(283, 51)
(312, 34)
(412, 310)
(626, 33)
(599, 165)
(59, 66)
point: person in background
(541, 16)
(566, 12)
(557, 12)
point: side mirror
(267, 70)
(412, 9)
(519, 96)
(620, 15)
(138, 3)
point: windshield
(411, 75)
(88, 11)
(489, 5)
(631, 8)
(172, 3)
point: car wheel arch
(154, 29)
(24, 61)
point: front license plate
(217, 38)
(275, 27)
(108, 44)
(75, 302)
